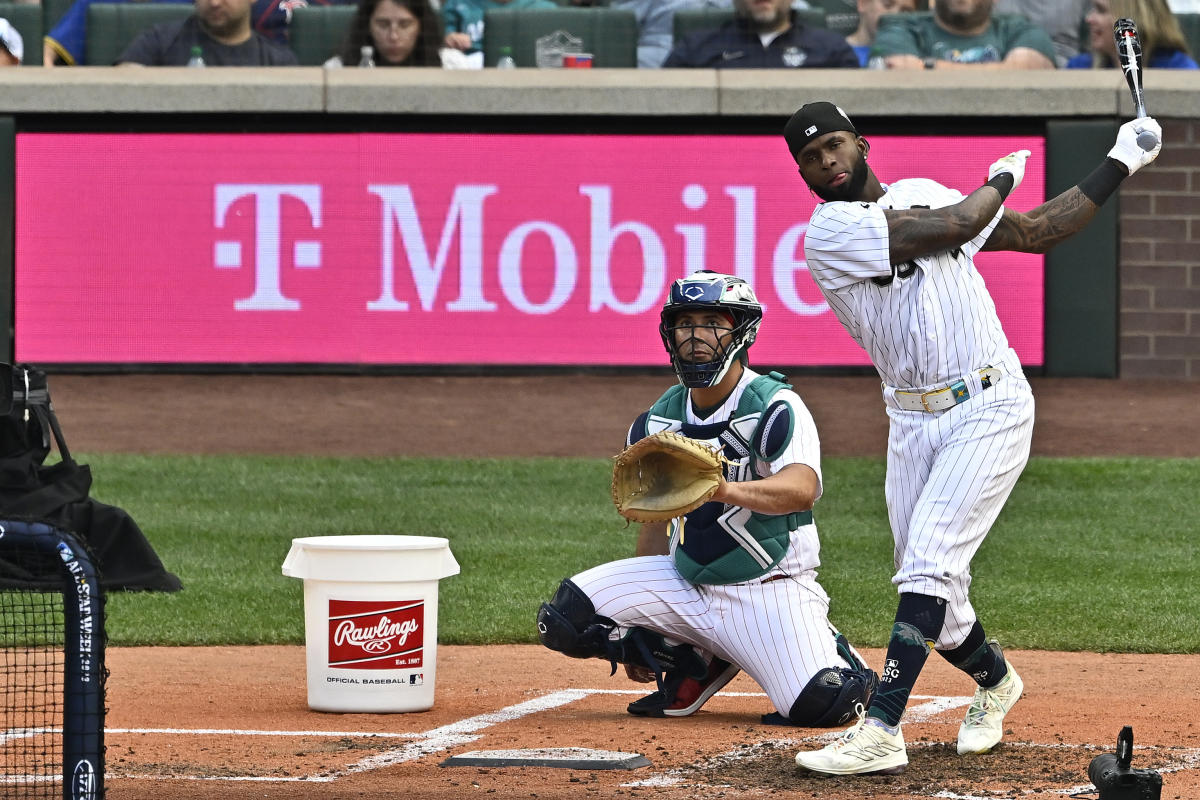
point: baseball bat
(1129, 53)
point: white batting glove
(1014, 164)
(1128, 151)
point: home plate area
(764, 766)
(522, 722)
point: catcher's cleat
(984, 724)
(870, 747)
(682, 696)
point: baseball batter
(896, 265)
(732, 584)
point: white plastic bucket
(370, 619)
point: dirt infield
(234, 722)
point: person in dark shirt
(220, 28)
(763, 34)
(398, 33)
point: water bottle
(366, 56)
(197, 57)
(506, 59)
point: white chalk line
(432, 741)
(465, 731)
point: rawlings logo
(377, 638)
(370, 634)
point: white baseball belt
(947, 396)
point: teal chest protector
(715, 544)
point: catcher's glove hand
(664, 476)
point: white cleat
(984, 723)
(869, 747)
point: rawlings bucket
(370, 619)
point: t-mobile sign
(426, 249)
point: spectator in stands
(762, 34)
(222, 31)
(400, 33)
(962, 34)
(869, 12)
(1163, 43)
(66, 41)
(464, 22)
(1062, 19)
(12, 47)
(656, 24)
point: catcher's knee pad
(830, 697)
(569, 624)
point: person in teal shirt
(464, 20)
(962, 34)
(1163, 44)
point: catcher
(731, 584)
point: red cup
(577, 60)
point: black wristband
(1002, 183)
(1103, 181)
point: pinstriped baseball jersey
(926, 322)
(774, 627)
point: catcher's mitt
(663, 476)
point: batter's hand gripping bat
(1129, 53)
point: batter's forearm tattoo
(1045, 226)
(918, 231)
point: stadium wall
(1122, 301)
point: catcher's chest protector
(715, 544)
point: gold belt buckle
(925, 399)
(958, 393)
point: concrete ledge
(599, 92)
(522, 91)
(161, 89)
(944, 94)
(1173, 93)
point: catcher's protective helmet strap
(710, 290)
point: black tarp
(59, 493)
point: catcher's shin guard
(569, 624)
(829, 698)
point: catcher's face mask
(707, 291)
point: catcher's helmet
(711, 290)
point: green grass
(1089, 554)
